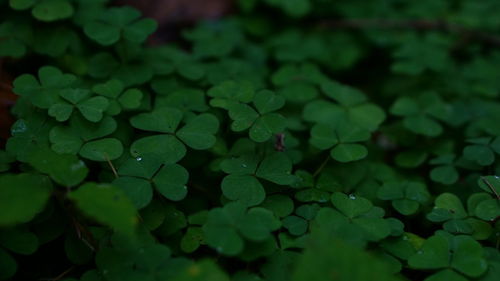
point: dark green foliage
(276, 144)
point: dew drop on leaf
(138, 158)
(352, 196)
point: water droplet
(185, 187)
(352, 196)
(244, 165)
(219, 249)
(77, 166)
(139, 158)
(20, 127)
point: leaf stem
(320, 168)
(111, 165)
(491, 187)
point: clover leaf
(450, 210)
(28, 135)
(87, 139)
(139, 175)
(64, 169)
(118, 98)
(243, 185)
(18, 207)
(45, 10)
(108, 205)
(341, 138)
(16, 35)
(351, 107)
(445, 172)
(461, 253)
(481, 151)
(227, 228)
(198, 133)
(356, 220)
(44, 91)
(92, 108)
(260, 119)
(406, 197)
(119, 22)
(420, 113)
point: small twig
(111, 165)
(438, 25)
(60, 276)
(491, 187)
(320, 168)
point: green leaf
(19, 241)
(295, 225)
(243, 117)
(348, 152)
(323, 136)
(65, 140)
(423, 125)
(199, 132)
(108, 205)
(171, 182)
(131, 99)
(164, 120)
(21, 4)
(220, 235)
(267, 125)
(139, 31)
(444, 174)
(204, 270)
(93, 108)
(61, 111)
(488, 210)
(110, 89)
(352, 205)
(166, 148)
(468, 256)
(446, 274)
(490, 184)
(337, 260)
(276, 168)
(480, 154)
(434, 254)
(67, 170)
(266, 101)
(245, 189)
(192, 239)
(391, 191)
(114, 23)
(405, 206)
(258, 224)
(450, 204)
(139, 191)
(102, 150)
(244, 165)
(52, 10)
(280, 205)
(16, 205)
(44, 92)
(8, 265)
